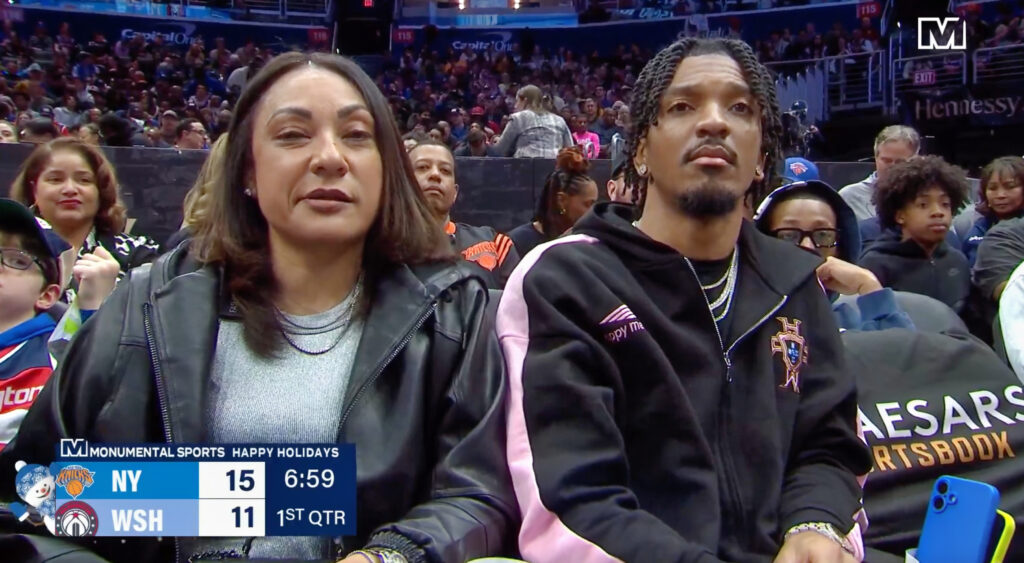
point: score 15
(229, 479)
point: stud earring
(248, 192)
(642, 170)
(561, 211)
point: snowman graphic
(36, 487)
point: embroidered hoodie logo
(793, 348)
(620, 324)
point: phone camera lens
(943, 487)
(938, 503)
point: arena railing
(993, 65)
(928, 72)
(853, 81)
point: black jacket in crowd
(904, 266)
(424, 407)
(636, 432)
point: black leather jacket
(425, 403)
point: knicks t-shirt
(491, 254)
(25, 366)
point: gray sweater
(858, 197)
(294, 398)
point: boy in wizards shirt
(31, 282)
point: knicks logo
(798, 168)
(489, 254)
(485, 254)
(791, 345)
(74, 479)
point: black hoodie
(904, 266)
(635, 434)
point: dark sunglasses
(18, 259)
(821, 238)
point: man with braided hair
(677, 387)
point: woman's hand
(96, 274)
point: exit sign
(367, 3)
(924, 78)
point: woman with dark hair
(567, 195)
(71, 184)
(319, 303)
(1002, 197)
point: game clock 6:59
(309, 478)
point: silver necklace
(725, 276)
(730, 284)
(728, 278)
(725, 300)
(346, 317)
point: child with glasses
(29, 287)
(813, 216)
(32, 279)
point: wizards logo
(793, 347)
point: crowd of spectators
(149, 93)
(130, 92)
(443, 93)
(448, 94)
(146, 92)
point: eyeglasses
(821, 238)
(17, 259)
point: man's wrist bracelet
(381, 555)
(825, 529)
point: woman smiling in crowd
(73, 187)
(1002, 197)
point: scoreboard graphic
(243, 490)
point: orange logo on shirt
(483, 253)
(489, 254)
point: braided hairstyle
(655, 78)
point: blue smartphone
(958, 525)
